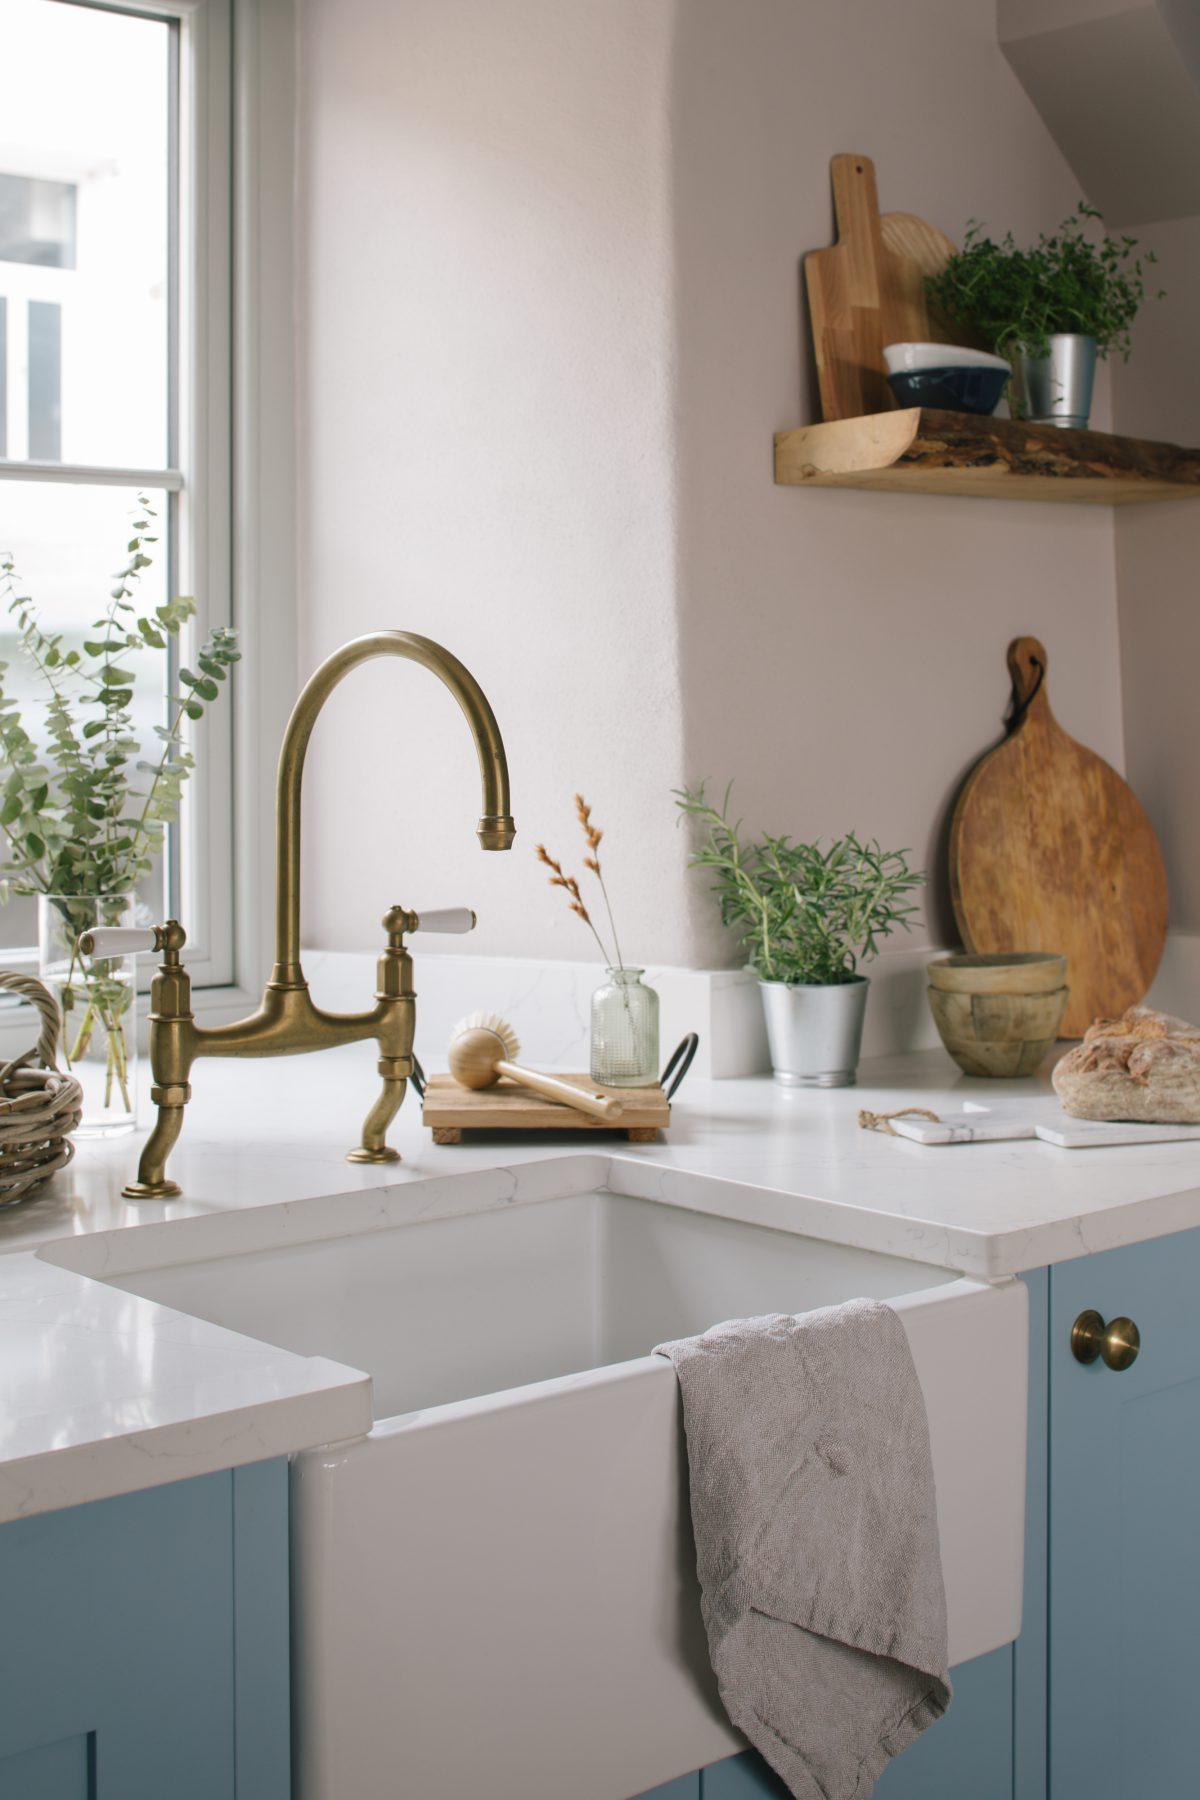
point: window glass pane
(67, 543)
(37, 221)
(45, 380)
(85, 131)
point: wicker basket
(39, 1107)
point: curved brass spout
(496, 829)
(288, 1022)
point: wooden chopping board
(868, 290)
(1051, 850)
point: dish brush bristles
(488, 1021)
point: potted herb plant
(83, 810)
(807, 916)
(1050, 309)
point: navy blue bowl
(968, 390)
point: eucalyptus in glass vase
(624, 1014)
(84, 812)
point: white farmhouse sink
(495, 1590)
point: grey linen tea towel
(816, 1539)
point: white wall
(843, 653)
(1158, 554)
(550, 301)
(487, 455)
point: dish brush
(484, 1047)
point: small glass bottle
(624, 1031)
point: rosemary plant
(83, 813)
(803, 914)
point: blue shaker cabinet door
(1124, 1541)
(58, 1771)
(118, 1631)
(144, 1645)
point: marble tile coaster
(973, 1125)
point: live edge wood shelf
(919, 451)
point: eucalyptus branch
(171, 743)
(75, 821)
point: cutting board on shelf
(449, 1110)
(867, 290)
(1051, 850)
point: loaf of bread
(1144, 1066)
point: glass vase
(624, 1031)
(98, 996)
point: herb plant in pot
(1050, 309)
(807, 916)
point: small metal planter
(1055, 389)
(815, 1033)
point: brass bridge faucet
(287, 1021)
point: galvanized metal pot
(815, 1033)
(1056, 389)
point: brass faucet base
(386, 1155)
(151, 1190)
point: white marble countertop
(260, 1133)
(102, 1393)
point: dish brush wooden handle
(600, 1106)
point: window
(115, 309)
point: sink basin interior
(446, 1309)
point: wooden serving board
(868, 290)
(450, 1110)
(1051, 850)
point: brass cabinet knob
(1118, 1342)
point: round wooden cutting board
(1051, 850)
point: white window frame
(233, 482)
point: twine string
(872, 1121)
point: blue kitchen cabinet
(144, 1649)
(1124, 1538)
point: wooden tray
(450, 1110)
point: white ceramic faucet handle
(450, 919)
(117, 940)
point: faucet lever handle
(117, 940)
(449, 919)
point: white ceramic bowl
(906, 359)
